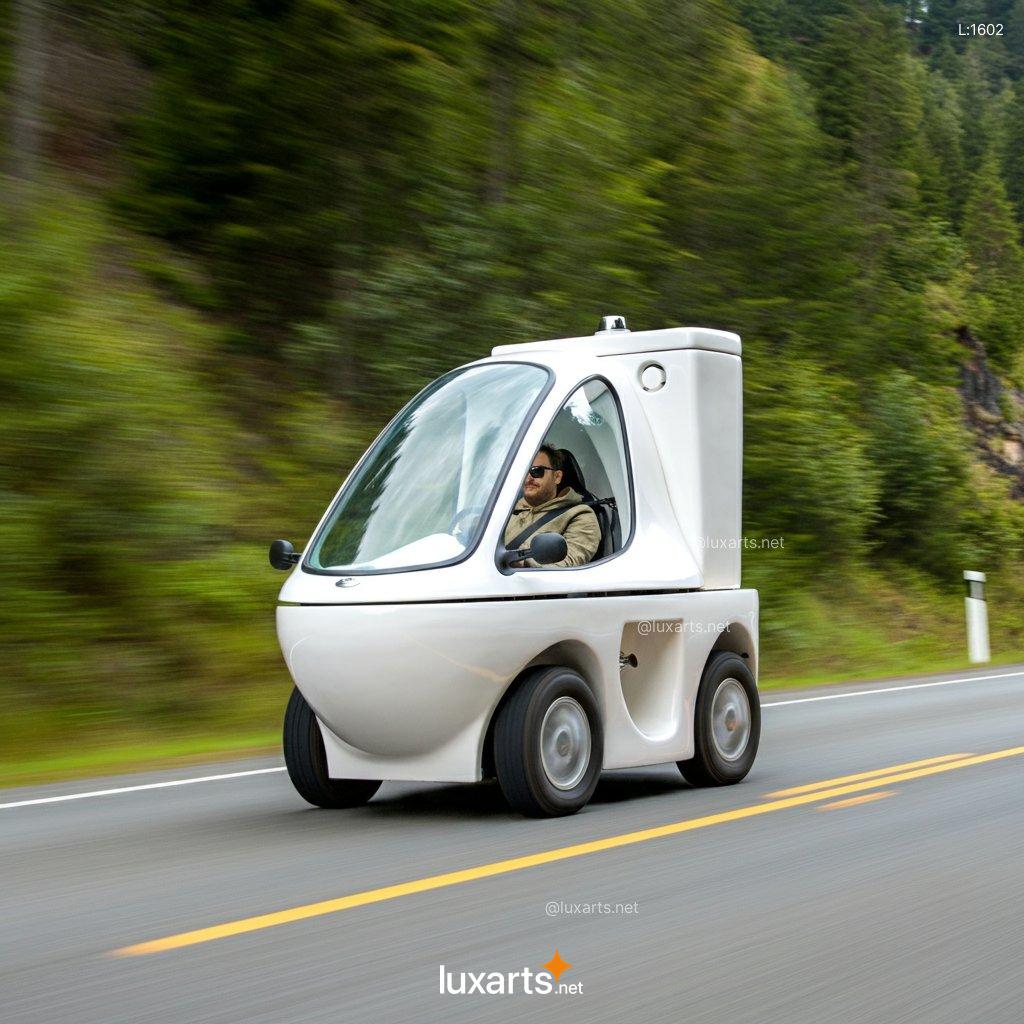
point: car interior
(588, 432)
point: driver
(543, 493)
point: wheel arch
(572, 654)
(737, 639)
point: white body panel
(407, 691)
(619, 343)
(405, 669)
(696, 420)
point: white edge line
(266, 771)
(890, 689)
(136, 789)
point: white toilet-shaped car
(420, 651)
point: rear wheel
(548, 743)
(727, 723)
(306, 760)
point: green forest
(238, 235)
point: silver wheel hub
(730, 719)
(565, 743)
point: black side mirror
(545, 548)
(283, 555)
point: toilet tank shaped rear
(697, 422)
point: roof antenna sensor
(612, 325)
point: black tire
(709, 766)
(306, 760)
(518, 759)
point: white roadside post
(977, 616)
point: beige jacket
(578, 525)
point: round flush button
(652, 377)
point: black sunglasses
(538, 471)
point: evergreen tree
(991, 236)
(943, 176)
(1013, 161)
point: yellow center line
(504, 867)
(874, 774)
(856, 801)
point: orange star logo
(557, 966)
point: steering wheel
(464, 523)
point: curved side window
(578, 484)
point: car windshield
(419, 496)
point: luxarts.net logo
(525, 981)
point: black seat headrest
(604, 508)
(572, 475)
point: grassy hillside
(142, 482)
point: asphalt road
(886, 899)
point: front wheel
(306, 760)
(548, 743)
(727, 723)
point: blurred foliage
(936, 510)
(313, 207)
(135, 489)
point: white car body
(405, 669)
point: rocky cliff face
(994, 412)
